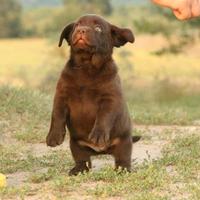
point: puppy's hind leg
(122, 154)
(81, 157)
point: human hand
(182, 9)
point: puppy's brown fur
(89, 98)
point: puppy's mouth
(81, 41)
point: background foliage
(42, 18)
(10, 18)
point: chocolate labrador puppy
(89, 97)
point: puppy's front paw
(55, 138)
(99, 137)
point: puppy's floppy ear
(66, 34)
(121, 36)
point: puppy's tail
(135, 138)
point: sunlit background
(160, 72)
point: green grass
(107, 183)
(25, 113)
(184, 111)
(183, 155)
(12, 161)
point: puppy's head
(93, 34)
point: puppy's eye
(98, 29)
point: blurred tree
(73, 9)
(92, 6)
(40, 3)
(10, 18)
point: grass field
(160, 90)
(35, 171)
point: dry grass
(30, 59)
(140, 59)
(23, 61)
(24, 52)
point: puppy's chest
(83, 101)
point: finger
(183, 14)
(166, 3)
(196, 8)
